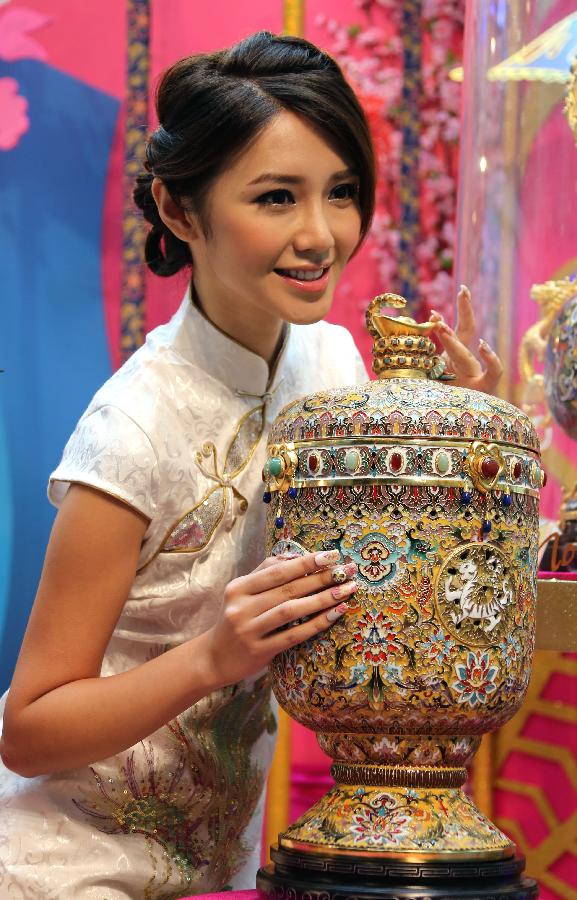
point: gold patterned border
(412, 480)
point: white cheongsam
(179, 434)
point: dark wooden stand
(297, 875)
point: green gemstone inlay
(443, 463)
(275, 466)
(352, 461)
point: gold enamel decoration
(280, 467)
(474, 594)
(431, 490)
(484, 464)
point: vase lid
(410, 400)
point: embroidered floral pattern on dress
(197, 809)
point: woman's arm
(61, 714)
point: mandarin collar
(221, 356)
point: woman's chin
(309, 312)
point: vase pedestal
(295, 874)
(397, 833)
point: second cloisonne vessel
(432, 490)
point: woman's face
(283, 221)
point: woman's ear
(182, 223)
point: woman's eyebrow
(278, 178)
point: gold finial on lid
(402, 347)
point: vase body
(432, 491)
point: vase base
(409, 824)
(298, 875)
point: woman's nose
(314, 234)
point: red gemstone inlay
(396, 462)
(489, 468)
(313, 462)
(517, 468)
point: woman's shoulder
(153, 385)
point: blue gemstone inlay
(292, 492)
(266, 497)
(279, 522)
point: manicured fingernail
(336, 613)
(485, 346)
(327, 557)
(463, 289)
(342, 573)
(288, 555)
(344, 590)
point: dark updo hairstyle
(211, 106)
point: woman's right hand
(251, 628)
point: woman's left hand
(470, 372)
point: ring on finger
(339, 575)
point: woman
(138, 722)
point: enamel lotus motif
(432, 490)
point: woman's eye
(276, 198)
(348, 191)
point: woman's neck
(264, 338)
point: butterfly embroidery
(196, 528)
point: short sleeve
(110, 452)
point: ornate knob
(402, 346)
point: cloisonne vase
(432, 490)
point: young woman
(137, 730)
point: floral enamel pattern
(395, 408)
(430, 591)
(433, 492)
(355, 818)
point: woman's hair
(211, 106)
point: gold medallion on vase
(474, 594)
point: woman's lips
(308, 287)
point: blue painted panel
(53, 343)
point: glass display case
(517, 202)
